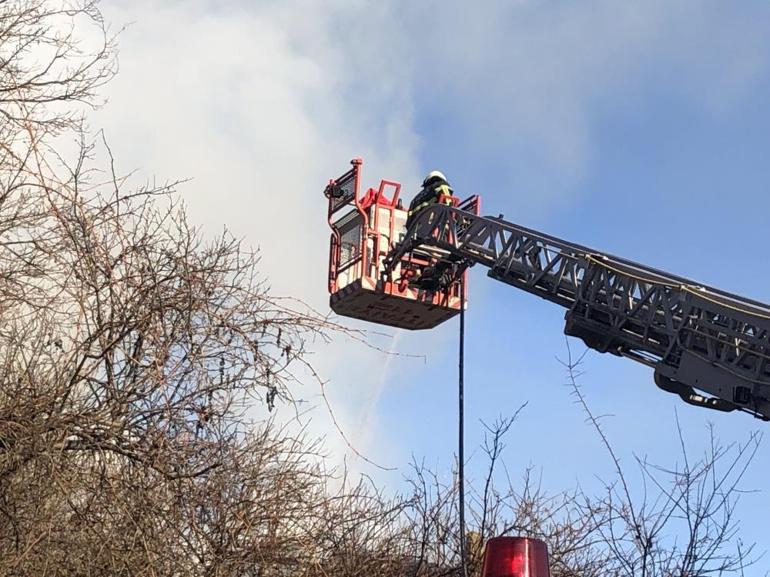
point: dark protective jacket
(430, 194)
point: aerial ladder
(708, 346)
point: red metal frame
(362, 203)
(336, 240)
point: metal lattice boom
(694, 336)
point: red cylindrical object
(515, 557)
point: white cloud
(260, 108)
(260, 112)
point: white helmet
(433, 176)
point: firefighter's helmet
(433, 177)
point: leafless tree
(679, 521)
(130, 348)
(53, 54)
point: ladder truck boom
(695, 337)
(708, 346)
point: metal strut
(695, 337)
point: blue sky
(640, 129)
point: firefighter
(435, 189)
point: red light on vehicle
(515, 557)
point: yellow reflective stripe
(441, 191)
(444, 194)
(419, 207)
(444, 189)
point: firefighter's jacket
(432, 194)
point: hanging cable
(461, 429)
